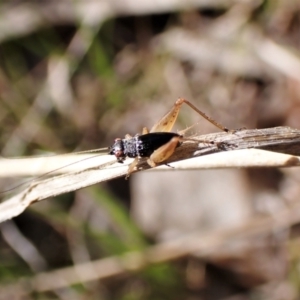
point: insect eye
(117, 139)
(119, 153)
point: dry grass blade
(188, 156)
(31, 17)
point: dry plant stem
(187, 156)
(194, 244)
(92, 13)
(279, 139)
(56, 164)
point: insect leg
(131, 167)
(180, 101)
(164, 152)
(158, 156)
(165, 124)
(167, 121)
(145, 130)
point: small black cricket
(159, 143)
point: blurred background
(74, 75)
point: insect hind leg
(180, 101)
(167, 121)
(164, 152)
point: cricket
(158, 143)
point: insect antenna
(60, 168)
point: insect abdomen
(144, 145)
